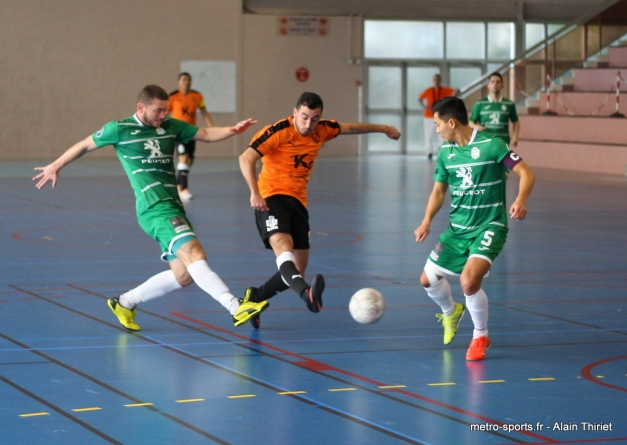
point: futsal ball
(367, 306)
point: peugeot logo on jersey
(466, 174)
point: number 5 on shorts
(487, 238)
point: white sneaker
(185, 195)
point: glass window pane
(462, 76)
(396, 39)
(415, 134)
(534, 34)
(384, 87)
(501, 41)
(554, 27)
(419, 78)
(378, 142)
(465, 40)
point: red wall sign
(302, 74)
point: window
(501, 41)
(403, 39)
(465, 40)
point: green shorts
(166, 223)
(451, 252)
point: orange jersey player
(288, 150)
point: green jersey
(495, 116)
(146, 153)
(475, 175)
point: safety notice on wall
(303, 26)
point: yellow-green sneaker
(249, 295)
(247, 310)
(451, 322)
(126, 316)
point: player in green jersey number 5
(472, 165)
(145, 144)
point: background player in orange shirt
(184, 103)
(287, 151)
(427, 98)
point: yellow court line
(132, 405)
(190, 400)
(341, 389)
(242, 396)
(392, 386)
(491, 381)
(48, 238)
(79, 410)
(287, 393)
(539, 379)
(442, 384)
(600, 377)
(35, 414)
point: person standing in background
(427, 98)
(184, 103)
(493, 112)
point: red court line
(587, 372)
(319, 366)
(614, 439)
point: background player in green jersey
(493, 112)
(472, 165)
(145, 144)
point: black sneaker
(313, 294)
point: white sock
(441, 294)
(155, 287)
(180, 166)
(210, 282)
(477, 306)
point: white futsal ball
(367, 306)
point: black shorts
(186, 149)
(286, 215)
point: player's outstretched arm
(518, 210)
(248, 166)
(361, 128)
(51, 171)
(436, 199)
(214, 134)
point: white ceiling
(530, 10)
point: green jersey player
(493, 112)
(471, 165)
(144, 144)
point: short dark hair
(310, 100)
(497, 74)
(451, 107)
(151, 92)
(185, 74)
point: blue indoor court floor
(556, 372)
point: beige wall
(69, 66)
(269, 74)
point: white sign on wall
(303, 26)
(216, 81)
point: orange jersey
(433, 95)
(288, 158)
(184, 106)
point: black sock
(270, 288)
(292, 276)
(181, 179)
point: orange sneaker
(477, 348)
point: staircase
(582, 136)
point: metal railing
(562, 51)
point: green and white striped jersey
(476, 179)
(495, 116)
(147, 155)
